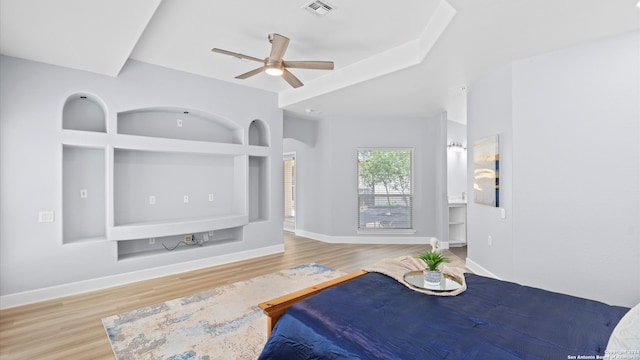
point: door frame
(287, 225)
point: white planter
(432, 278)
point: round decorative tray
(448, 282)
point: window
(385, 191)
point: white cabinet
(457, 224)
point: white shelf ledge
(84, 240)
(175, 227)
(134, 142)
(89, 139)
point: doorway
(289, 191)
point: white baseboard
(54, 292)
(387, 239)
(480, 270)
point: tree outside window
(385, 189)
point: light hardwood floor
(71, 327)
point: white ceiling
(407, 58)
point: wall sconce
(456, 146)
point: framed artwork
(486, 166)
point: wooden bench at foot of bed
(274, 308)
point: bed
(372, 316)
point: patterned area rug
(222, 323)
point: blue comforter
(375, 317)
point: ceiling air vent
(318, 7)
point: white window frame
(383, 230)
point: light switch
(503, 213)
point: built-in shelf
(84, 138)
(158, 174)
(176, 226)
(457, 224)
(258, 189)
(169, 245)
(84, 112)
(162, 186)
(258, 133)
(84, 143)
(178, 123)
(259, 151)
(83, 193)
(176, 146)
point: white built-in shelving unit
(152, 175)
(457, 224)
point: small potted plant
(432, 274)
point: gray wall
(326, 170)
(489, 112)
(32, 95)
(569, 125)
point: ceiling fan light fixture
(274, 71)
(274, 65)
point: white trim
(53, 292)
(408, 240)
(480, 270)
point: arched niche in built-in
(258, 133)
(84, 112)
(180, 124)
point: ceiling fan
(274, 64)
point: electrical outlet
(46, 216)
(210, 197)
(83, 193)
(188, 239)
(152, 241)
(186, 199)
(179, 122)
(152, 200)
(205, 237)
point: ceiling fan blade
(314, 65)
(238, 55)
(291, 79)
(279, 45)
(252, 72)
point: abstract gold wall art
(486, 165)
